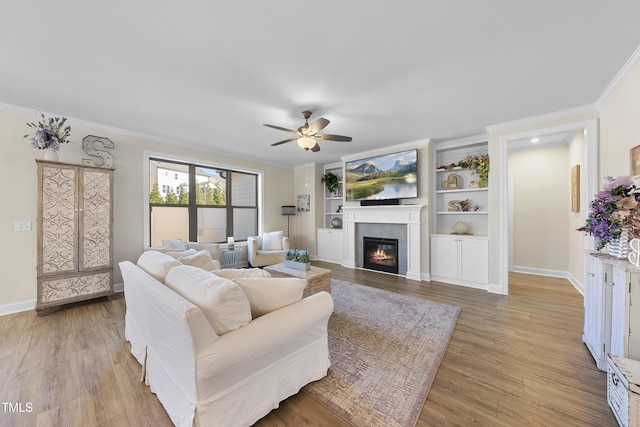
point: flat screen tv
(385, 177)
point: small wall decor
(634, 154)
(452, 182)
(454, 205)
(575, 188)
(88, 145)
(304, 203)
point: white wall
(540, 177)
(620, 126)
(307, 182)
(619, 131)
(18, 173)
(575, 238)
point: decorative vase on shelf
(51, 155)
(619, 247)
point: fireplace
(380, 254)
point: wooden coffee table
(318, 279)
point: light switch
(23, 225)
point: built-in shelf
(461, 259)
(462, 190)
(333, 202)
(463, 213)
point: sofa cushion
(222, 301)
(157, 264)
(272, 241)
(181, 254)
(232, 273)
(267, 295)
(175, 245)
(200, 259)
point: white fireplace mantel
(386, 214)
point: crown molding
(193, 145)
(622, 75)
(542, 118)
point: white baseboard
(20, 306)
(551, 273)
(17, 307)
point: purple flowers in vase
(49, 133)
(614, 207)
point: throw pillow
(200, 259)
(272, 241)
(222, 301)
(174, 245)
(181, 254)
(267, 295)
(157, 264)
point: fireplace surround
(407, 217)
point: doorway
(551, 135)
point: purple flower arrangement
(614, 207)
(49, 133)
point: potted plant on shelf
(298, 259)
(331, 182)
(478, 164)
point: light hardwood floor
(513, 360)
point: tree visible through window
(200, 203)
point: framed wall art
(304, 203)
(634, 154)
(575, 188)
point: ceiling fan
(307, 134)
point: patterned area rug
(385, 351)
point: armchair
(267, 249)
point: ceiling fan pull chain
(306, 168)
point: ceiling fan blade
(281, 128)
(315, 148)
(333, 137)
(283, 142)
(317, 125)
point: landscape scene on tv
(390, 176)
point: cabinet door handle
(614, 378)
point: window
(207, 205)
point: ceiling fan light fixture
(306, 142)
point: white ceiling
(211, 73)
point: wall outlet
(23, 226)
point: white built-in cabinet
(458, 258)
(625, 317)
(75, 233)
(330, 242)
(611, 322)
(597, 309)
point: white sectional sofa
(269, 344)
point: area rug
(385, 350)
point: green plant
(330, 181)
(480, 164)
